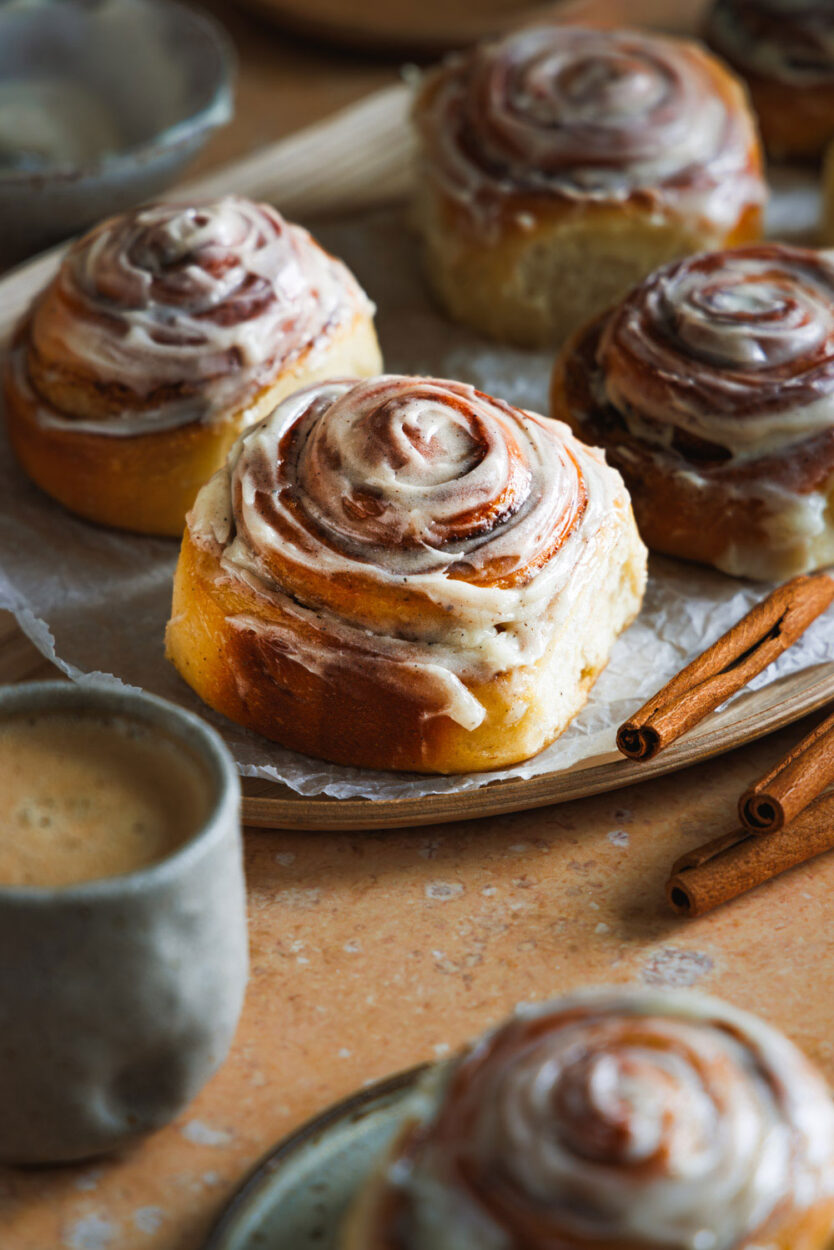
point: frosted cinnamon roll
(561, 165)
(711, 388)
(784, 49)
(620, 1119)
(165, 332)
(405, 573)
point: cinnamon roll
(711, 388)
(405, 573)
(561, 165)
(620, 1119)
(165, 332)
(784, 49)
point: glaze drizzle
(735, 349)
(574, 114)
(429, 524)
(185, 311)
(620, 1118)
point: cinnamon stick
(755, 641)
(739, 861)
(777, 798)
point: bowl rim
(395, 1088)
(218, 110)
(186, 729)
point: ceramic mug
(119, 997)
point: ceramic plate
(297, 1195)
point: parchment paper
(96, 601)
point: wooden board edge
(319, 170)
(750, 722)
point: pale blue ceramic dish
(157, 79)
(297, 1197)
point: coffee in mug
(85, 796)
(123, 950)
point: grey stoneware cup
(120, 997)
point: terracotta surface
(372, 952)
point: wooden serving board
(359, 159)
(424, 27)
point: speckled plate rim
(751, 715)
(355, 1107)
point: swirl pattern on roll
(789, 40)
(622, 1118)
(408, 476)
(733, 352)
(575, 114)
(189, 310)
(431, 524)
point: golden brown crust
(240, 672)
(404, 573)
(163, 334)
(676, 515)
(342, 712)
(534, 285)
(796, 123)
(521, 251)
(147, 482)
(642, 361)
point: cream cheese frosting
(580, 114)
(735, 348)
(189, 310)
(490, 516)
(618, 1116)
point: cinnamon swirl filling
(788, 40)
(730, 351)
(180, 313)
(619, 1118)
(574, 114)
(407, 477)
(415, 519)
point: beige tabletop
(372, 952)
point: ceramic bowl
(119, 997)
(147, 80)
